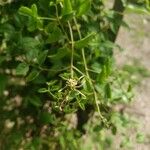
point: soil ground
(136, 42)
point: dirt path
(137, 44)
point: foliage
(56, 62)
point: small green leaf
(82, 106)
(140, 138)
(29, 12)
(35, 101)
(137, 9)
(29, 43)
(85, 41)
(6, 28)
(46, 118)
(34, 23)
(67, 7)
(97, 128)
(43, 90)
(126, 142)
(84, 6)
(129, 88)
(61, 53)
(107, 91)
(53, 82)
(22, 69)
(55, 35)
(114, 130)
(103, 75)
(25, 11)
(42, 56)
(34, 10)
(31, 47)
(33, 74)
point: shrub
(58, 80)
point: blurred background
(136, 59)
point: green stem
(87, 73)
(72, 48)
(75, 68)
(47, 18)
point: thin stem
(72, 48)
(87, 73)
(78, 29)
(90, 70)
(75, 68)
(47, 18)
(83, 53)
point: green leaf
(46, 118)
(107, 91)
(29, 43)
(97, 128)
(126, 143)
(96, 67)
(34, 10)
(85, 41)
(32, 55)
(103, 75)
(34, 23)
(55, 35)
(32, 75)
(43, 90)
(31, 47)
(67, 7)
(84, 6)
(136, 9)
(6, 28)
(82, 106)
(25, 11)
(53, 82)
(42, 56)
(140, 138)
(22, 69)
(61, 53)
(2, 59)
(35, 101)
